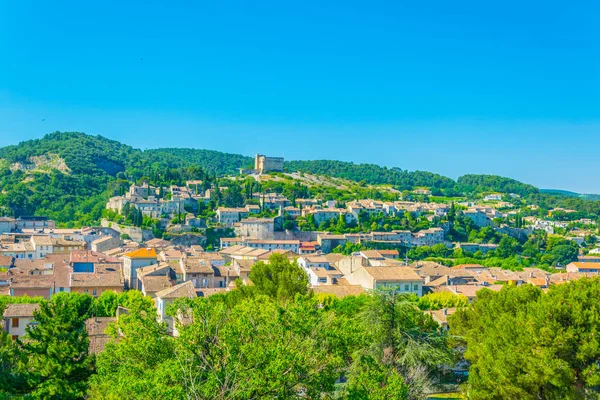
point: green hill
(214, 162)
(494, 183)
(68, 176)
(566, 193)
(373, 174)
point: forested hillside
(494, 183)
(214, 162)
(68, 176)
(373, 174)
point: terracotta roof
(197, 265)
(42, 240)
(317, 259)
(260, 241)
(232, 249)
(142, 253)
(225, 271)
(32, 282)
(185, 289)
(393, 273)
(62, 275)
(98, 325)
(245, 265)
(441, 281)
(92, 256)
(104, 275)
(538, 281)
(371, 254)
(441, 316)
(153, 284)
(468, 266)
(339, 290)
(158, 243)
(96, 330)
(333, 258)
(103, 239)
(163, 266)
(20, 310)
(586, 265)
(5, 261)
(565, 277)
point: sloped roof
(20, 310)
(441, 316)
(339, 290)
(392, 273)
(197, 265)
(185, 289)
(142, 253)
(586, 265)
(105, 275)
(153, 284)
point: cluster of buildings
(264, 164)
(156, 202)
(36, 259)
(8, 225)
(166, 272)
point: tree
(507, 247)
(106, 304)
(404, 340)
(564, 254)
(233, 196)
(140, 362)
(280, 279)
(257, 349)
(525, 344)
(56, 348)
(437, 301)
(135, 300)
(12, 378)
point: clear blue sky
(509, 88)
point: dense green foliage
(270, 340)
(371, 173)
(494, 183)
(524, 344)
(214, 162)
(68, 176)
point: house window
(15, 322)
(406, 288)
(94, 292)
(416, 287)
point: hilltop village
(200, 239)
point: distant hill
(215, 162)
(371, 173)
(68, 176)
(566, 193)
(495, 183)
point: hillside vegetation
(371, 173)
(68, 176)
